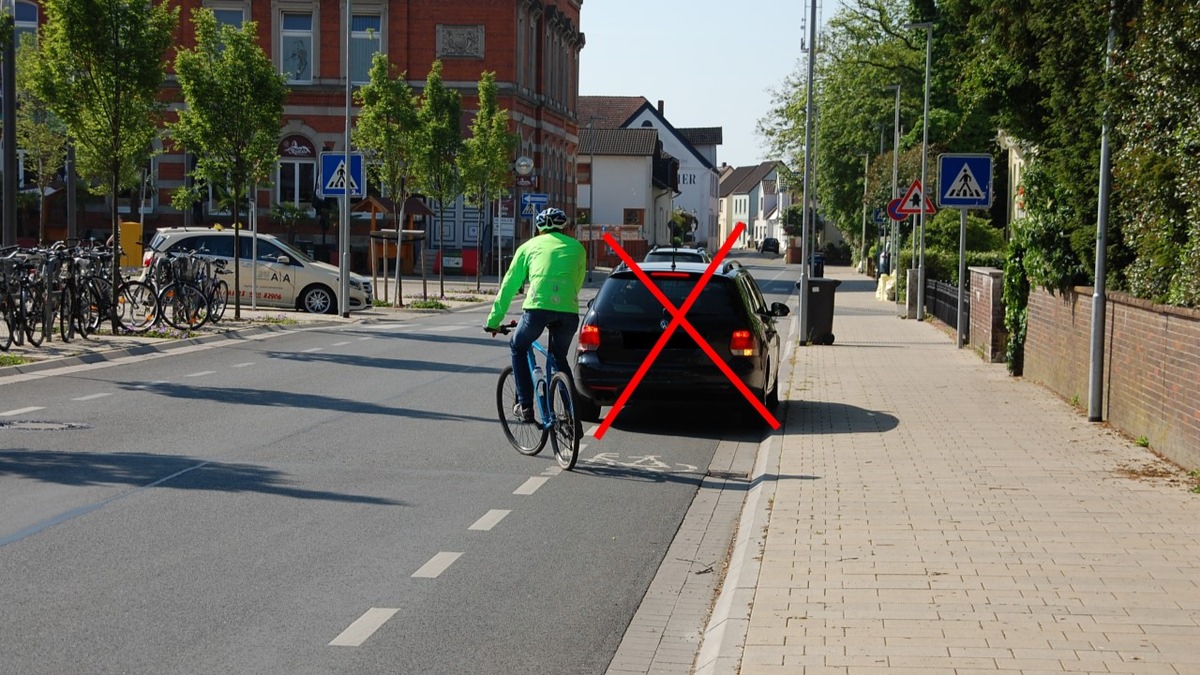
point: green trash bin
(820, 309)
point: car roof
(727, 268)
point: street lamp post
(523, 166)
(344, 234)
(9, 27)
(894, 240)
(808, 167)
(865, 250)
(591, 194)
(928, 28)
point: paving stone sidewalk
(932, 514)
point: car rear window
(677, 257)
(626, 295)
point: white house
(624, 178)
(751, 195)
(694, 150)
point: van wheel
(317, 300)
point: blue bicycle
(553, 411)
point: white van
(283, 276)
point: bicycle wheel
(527, 437)
(217, 301)
(6, 329)
(33, 299)
(137, 306)
(84, 311)
(566, 429)
(97, 299)
(183, 306)
(65, 311)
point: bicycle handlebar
(502, 330)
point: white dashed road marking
(201, 373)
(312, 349)
(366, 625)
(21, 411)
(243, 365)
(91, 397)
(530, 486)
(489, 520)
(436, 565)
(340, 344)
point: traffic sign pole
(964, 182)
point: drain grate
(28, 425)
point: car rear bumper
(603, 383)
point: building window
(296, 183)
(229, 16)
(25, 20)
(295, 45)
(583, 173)
(365, 34)
(635, 217)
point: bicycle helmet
(551, 219)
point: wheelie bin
(820, 310)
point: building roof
(641, 142)
(608, 112)
(744, 178)
(702, 135)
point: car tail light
(589, 338)
(670, 275)
(742, 343)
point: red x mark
(678, 319)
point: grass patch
(278, 319)
(1142, 442)
(1195, 476)
(464, 298)
(428, 303)
(12, 360)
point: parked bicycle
(554, 408)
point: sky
(711, 62)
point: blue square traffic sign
(965, 181)
(336, 181)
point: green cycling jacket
(555, 265)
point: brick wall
(1151, 365)
(987, 335)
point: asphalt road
(330, 500)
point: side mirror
(779, 309)
(283, 260)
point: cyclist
(554, 264)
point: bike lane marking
(201, 373)
(92, 397)
(489, 520)
(437, 564)
(22, 411)
(530, 486)
(363, 627)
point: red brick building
(533, 47)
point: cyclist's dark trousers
(561, 326)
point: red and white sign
(910, 203)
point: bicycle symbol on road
(643, 463)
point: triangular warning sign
(910, 204)
(529, 210)
(965, 186)
(340, 179)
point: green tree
(233, 98)
(40, 133)
(486, 157)
(100, 72)
(1158, 166)
(436, 156)
(387, 130)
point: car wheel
(772, 399)
(317, 300)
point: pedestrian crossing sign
(335, 180)
(965, 181)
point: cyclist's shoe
(523, 413)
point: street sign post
(532, 203)
(964, 182)
(336, 181)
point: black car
(624, 322)
(769, 245)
